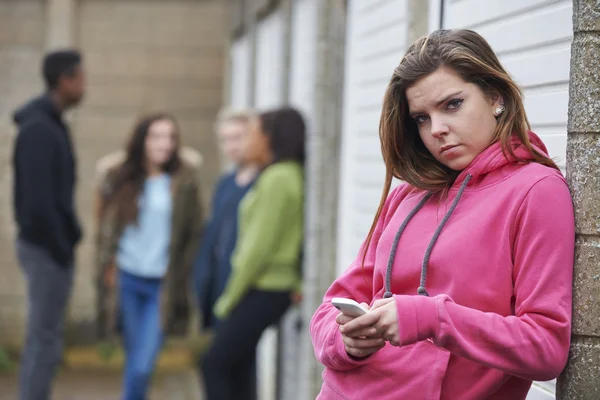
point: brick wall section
(21, 46)
(140, 56)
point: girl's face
(232, 135)
(456, 119)
(258, 150)
(161, 142)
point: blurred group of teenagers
(159, 253)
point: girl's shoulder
(400, 192)
(191, 158)
(107, 169)
(189, 171)
(532, 173)
(283, 168)
(281, 173)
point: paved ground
(107, 386)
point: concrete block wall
(581, 378)
(22, 31)
(140, 56)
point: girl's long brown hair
(404, 154)
(133, 172)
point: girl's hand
(296, 297)
(110, 276)
(382, 319)
(387, 324)
(362, 342)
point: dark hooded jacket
(44, 180)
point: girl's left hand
(383, 316)
(296, 297)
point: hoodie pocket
(437, 370)
(413, 372)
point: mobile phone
(348, 307)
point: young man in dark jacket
(48, 228)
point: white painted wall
(376, 41)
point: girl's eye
(420, 119)
(454, 104)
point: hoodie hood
(492, 158)
(39, 106)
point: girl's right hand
(110, 276)
(361, 343)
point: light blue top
(144, 247)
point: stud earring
(499, 110)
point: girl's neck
(58, 101)
(246, 174)
(154, 170)
(266, 159)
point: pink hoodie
(499, 279)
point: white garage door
(303, 56)
(269, 61)
(239, 86)
(533, 41)
(376, 37)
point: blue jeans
(140, 311)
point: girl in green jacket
(266, 261)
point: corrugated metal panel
(533, 41)
(377, 32)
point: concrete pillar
(250, 22)
(60, 22)
(418, 23)
(322, 174)
(287, 333)
(581, 379)
(287, 7)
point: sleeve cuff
(345, 361)
(221, 309)
(417, 318)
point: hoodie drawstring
(422, 285)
